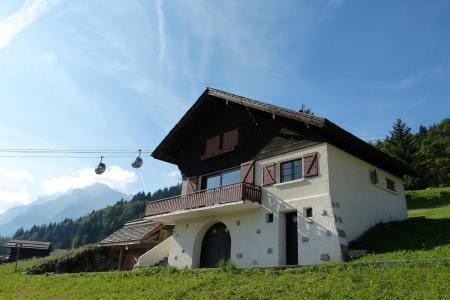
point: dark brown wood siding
(257, 133)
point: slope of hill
(95, 226)
(425, 235)
(355, 280)
(55, 208)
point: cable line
(65, 156)
(77, 151)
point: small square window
(390, 184)
(269, 218)
(308, 212)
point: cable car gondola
(101, 168)
(138, 162)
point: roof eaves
(343, 134)
(178, 124)
(270, 108)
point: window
(230, 177)
(390, 184)
(374, 176)
(291, 170)
(269, 218)
(308, 212)
(221, 179)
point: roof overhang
(336, 135)
(142, 243)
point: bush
(226, 266)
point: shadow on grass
(417, 233)
(427, 200)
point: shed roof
(334, 134)
(133, 232)
(24, 244)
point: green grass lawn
(337, 281)
(425, 235)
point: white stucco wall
(314, 238)
(267, 248)
(342, 188)
(361, 203)
(245, 240)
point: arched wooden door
(216, 245)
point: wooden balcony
(239, 192)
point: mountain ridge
(55, 208)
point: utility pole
(18, 246)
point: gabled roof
(335, 134)
(270, 108)
(24, 244)
(133, 232)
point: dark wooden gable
(221, 135)
(263, 130)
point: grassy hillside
(337, 281)
(425, 235)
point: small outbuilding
(134, 239)
(24, 249)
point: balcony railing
(221, 195)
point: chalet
(27, 249)
(268, 186)
(134, 239)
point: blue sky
(119, 74)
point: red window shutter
(212, 145)
(230, 140)
(247, 172)
(310, 165)
(269, 174)
(192, 184)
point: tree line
(95, 226)
(426, 153)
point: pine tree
(402, 145)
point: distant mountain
(55, 208)
(94, 226)
(14, 211)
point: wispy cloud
(330, 9)
(404, 83)
(14, 188)
(440, 72)
(171, 174)
(114, 177)
(15, 23)
(161, 31)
